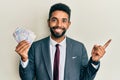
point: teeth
(58, 30)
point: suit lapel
(46, 56)
(68, 59)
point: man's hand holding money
(22, 49)
(24, 38)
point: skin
(60, 20)
(98, 51)
(22, 49)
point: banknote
(24, 34)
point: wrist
(94, 62)
(24, 59)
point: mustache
(57, 27)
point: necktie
(56, 63)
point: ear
(69, 23)
(48, 21)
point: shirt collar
(53, 42)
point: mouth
(58, 29)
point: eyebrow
(57, 18)
(53, 18)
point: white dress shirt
(62, 47)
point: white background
(93, 22)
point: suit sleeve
(88, 72)
(28, 72)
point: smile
(58, 30)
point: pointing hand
(98, 51)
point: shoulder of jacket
(44, 40)
(73, 41)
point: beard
(57, 35)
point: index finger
(107, 43)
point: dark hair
(60, 6)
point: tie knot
(57, 45)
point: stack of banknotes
(21, 34)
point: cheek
(52, 24)
(66, 26)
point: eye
(64, 20)
(53, 19)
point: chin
(57, 35)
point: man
(67, 61)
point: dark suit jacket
(39, 66)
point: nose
(59, 23)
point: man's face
(58, 23)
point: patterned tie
(56, 63)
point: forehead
(59, 14)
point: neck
(58, 40)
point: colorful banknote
(21, 34)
